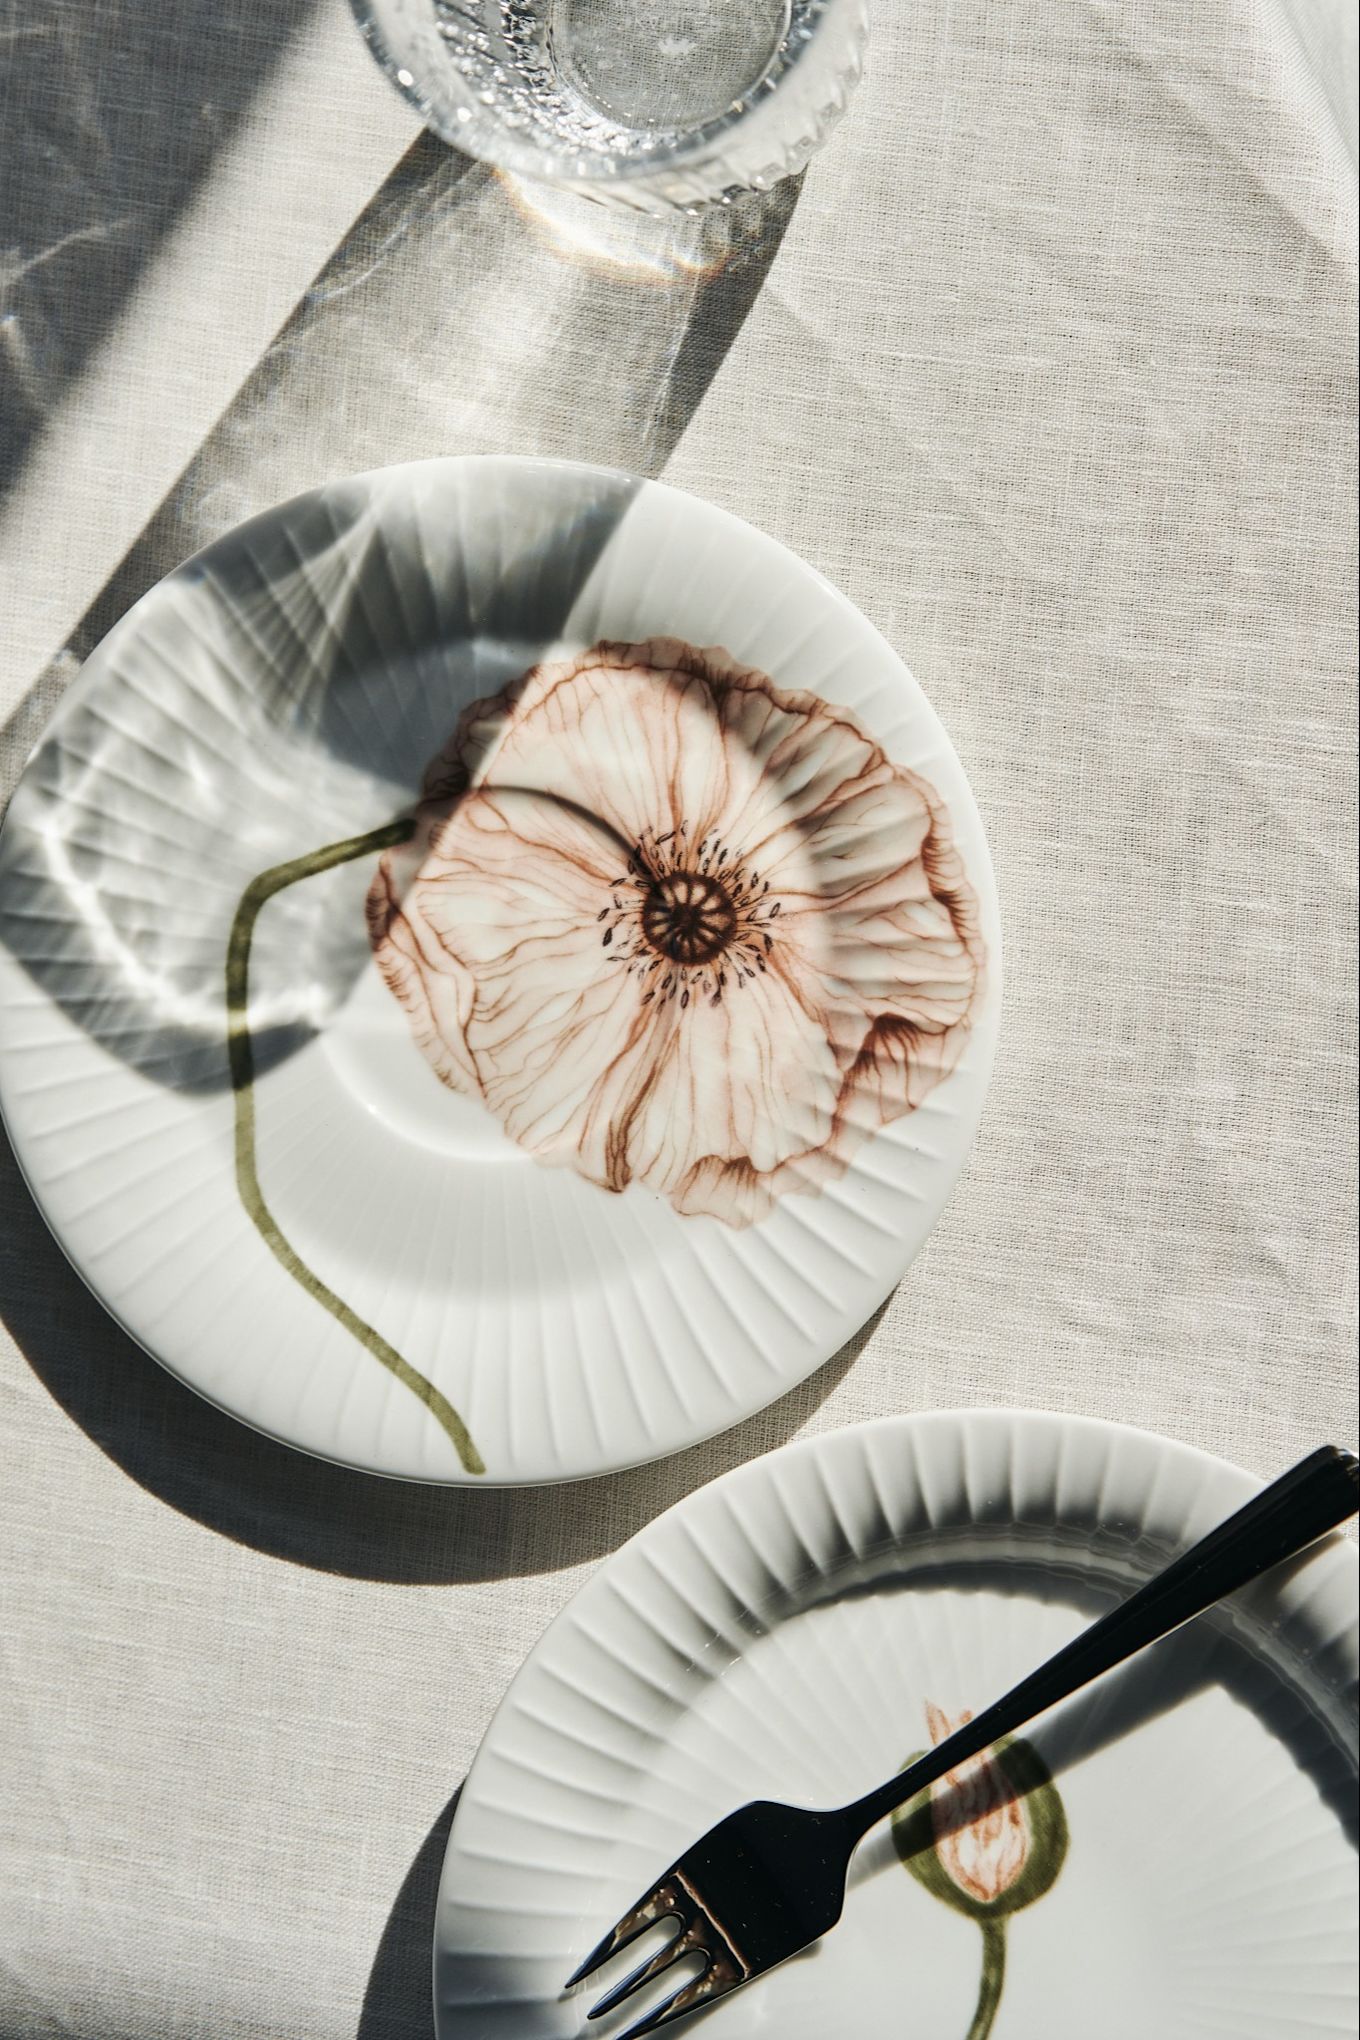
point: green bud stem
(993, 1978)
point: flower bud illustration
(988, 1839)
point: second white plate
(801, 1627)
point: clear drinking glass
(655, 104)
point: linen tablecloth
(1049, 364)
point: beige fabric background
(1051, 368)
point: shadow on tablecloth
(112, 117)
(397, 2000)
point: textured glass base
(655, 104)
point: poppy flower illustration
(989, 1838)
(678, 927)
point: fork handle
(1286, 1517)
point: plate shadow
(210, 1467)
(397, 2002)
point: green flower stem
(241, 1058)
(993, 1977)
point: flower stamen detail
(693, 908)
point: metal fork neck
(863, 1814)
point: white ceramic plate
(784, 1632)
(577, 1124)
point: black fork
(770, 1879)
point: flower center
(688, 919)
(688, 916)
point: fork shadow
(1224, 1648)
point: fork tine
(646, 1913)
(601, 1952)
(644, 1973)
(697, 1991)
